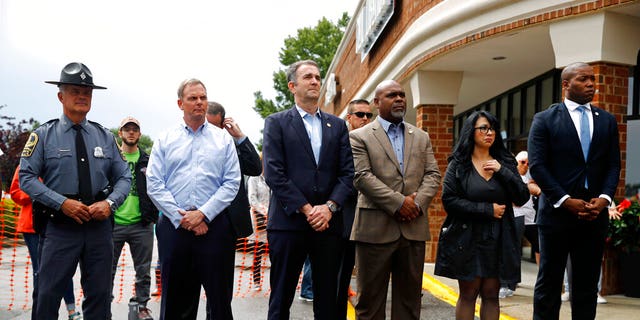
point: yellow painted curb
(438, 290)
(446, 294)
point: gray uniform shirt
(50, 154)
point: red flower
(624, 205)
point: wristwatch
(112, 205)
(333, 207)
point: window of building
(632, 183)
(515, 108)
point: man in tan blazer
(397, 176)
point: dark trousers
(344, 276)
(287, 251)
(64, 245)
(32, 240)
(403, 260)
(583, 241)
(189, 261)
(140, 239)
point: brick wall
(437, 120)
(353, 72)
(612, 83)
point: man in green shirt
(134, 219)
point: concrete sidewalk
(520, 305)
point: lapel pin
(410, 131)
(597, 113)
(328, 124)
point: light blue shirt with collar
(313, 125)
(193, 170)
(575, 115)
(395, 132)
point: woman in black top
(477, 242)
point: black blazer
(456, 243)
(293, 176)
(250, 165)
(148, 210)
(558, 166)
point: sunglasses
(361, 114)
(524, 162)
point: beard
(398, 114)
(130, 144)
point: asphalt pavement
(438, 299)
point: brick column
(612, 85)
(437, 120)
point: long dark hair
(464, 147)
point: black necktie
(84, 174)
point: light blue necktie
(585, 135)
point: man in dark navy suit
(574, 156)
(309, 168)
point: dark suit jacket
(250, 165)
(293, 176)
(559, 168)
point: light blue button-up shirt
(313, 125)
(193, 170)
(395, 132)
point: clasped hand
(81, 213)
(409, 210)
(585, 210)
(318, 216)
(193, 220)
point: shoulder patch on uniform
(30, 145)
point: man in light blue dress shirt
(192, 177)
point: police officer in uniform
(84, 179)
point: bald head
(383, 85)
(578, 82)
(572, 69)
(390, 100)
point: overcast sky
(142, 50)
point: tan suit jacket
(382, 186)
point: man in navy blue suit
(309, 167)
(574, 156)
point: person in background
(574, 156)
(135, 218)
(31, 239)
(306, 285)
(478, 244)
(84, 180)
(397, 176)
(309, 167)
(192, 177)
(258, 193)
(250, 165)
(358, 115)
(521, 215)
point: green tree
(13, 136)
(317, 43)
(145, 143)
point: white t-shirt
(526, 209)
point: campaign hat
(77, 74)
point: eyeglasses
(485, 130)
(524, 162)
(361, 114)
